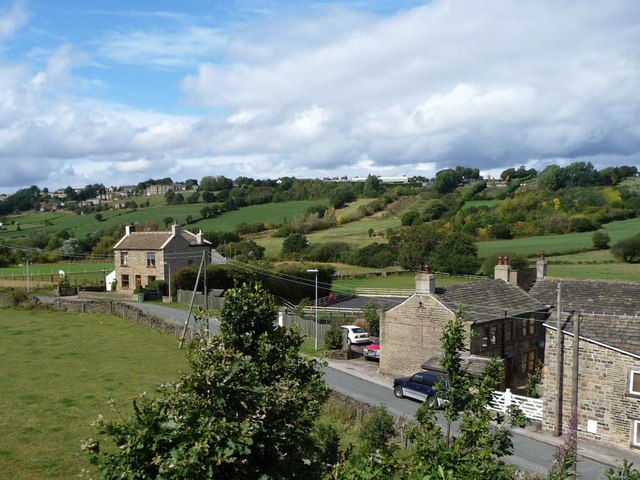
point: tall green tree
(247, 408)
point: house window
(490, 335)
(125, 281)
(151, 279)
(634, 382)
(151, 259)
(528, 363)
(509, 331)
(124, 259)
(635, 441)
(528, 327)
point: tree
(294, 243)
(416, 246)
(446, 181)
(70, 248)
(98, 217)
(456, 253)
(247, 408)
(370, 312)
(193, 197)
(170, 197)
(372, 187)
(476, 451)
(208, 196)
(627, 250)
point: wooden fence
(214, 302)
(501, 401)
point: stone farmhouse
(608, 361)
(505, 320)
(144, 257)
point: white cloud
(181, 48)
(12, 19)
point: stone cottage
(608, 361)
(505, 320)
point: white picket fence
(501, 401)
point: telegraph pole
(557, 427)
(574, 388)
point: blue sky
(116, 92)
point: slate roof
(488, 299)
(153, 240)
(611, 311)
(590, 296)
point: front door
(138, 281)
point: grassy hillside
(57, 374)
(80, 225)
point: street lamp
(27, 262)
(169, 267)
(315, 270)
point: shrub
(333, 338)
(294, 243)
(627, 250)
(600, 240)
(583, 224)
(372, 318)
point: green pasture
(355, 233)
(81, 225)
(620, 272)
(558, 244)
(404, 281)
(57, 374)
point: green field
(37, 269)
(355, 233)
(57, 373)
(405, 281)
(81, 225)
(558, 244)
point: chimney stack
(541, 268)
(425, 282)
(175, 229)
(199, 237)
(128, 229)
(502, 270)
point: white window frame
(630, 384)
(635, 432)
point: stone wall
(123, 310)
(603, 396)
(410, 333)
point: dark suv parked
(420, 386)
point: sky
(117, 92)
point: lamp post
(27, 262)
(315, 270)
(169, 268)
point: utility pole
(557, 427)
(206, 292)
(574, 387)
(193, 296)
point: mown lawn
(57, 373)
